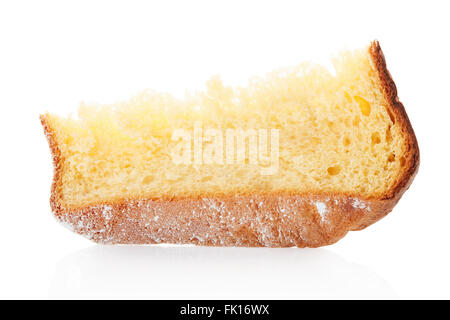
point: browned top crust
(275, 220)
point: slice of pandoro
(297, 158)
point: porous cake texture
(332, 153)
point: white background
(54, 55)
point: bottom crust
(251, 221)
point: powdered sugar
(107, 212)
(359, 204)
(321, 209)
(237, 221)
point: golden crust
(272, 220)
(398, 113)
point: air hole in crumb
(388, 135)
(346, 141)
(364, 105)
(391, 157)
(348, 97)
(356, 121)
(375, 138)
(334, 170)
(148, 179)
